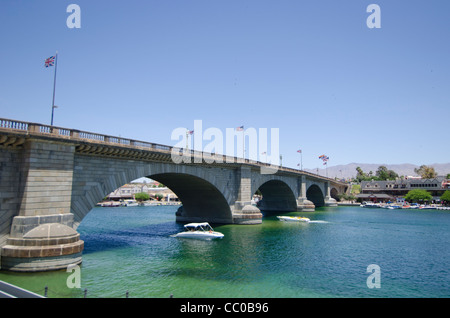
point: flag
(322, 156)
(50, 61)
(299, 151)
(191, 132)
(241, 128)
(263, 153)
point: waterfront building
(389, 190)
(128, 191)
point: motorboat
(370, 205)
(394, 206)
(427, 207)
(130, 203)
(293, 219)
(109, 204)
(199, 231)
(150, 203)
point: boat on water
(199, 231)
(394, 206)
(293, 219)
(130, 203)
(369, 205)
(109, 204)
(427, 207)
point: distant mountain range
(405, 169)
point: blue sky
(313, 69)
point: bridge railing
(13, 124)
(76, 134)
(73, 134)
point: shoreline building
(129, 190)
(390, 190)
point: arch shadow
(315, 195)
(334, 194)
(277, 196)
(201, 200)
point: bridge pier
(303, 204)
(41, 236)
(41, 243)
(329, 201)
(243, 211)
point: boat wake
(319, 221)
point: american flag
(190, 132)
(299, 151)
(241, 128)
(50, 61)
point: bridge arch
(201, 200)
(315, 195)
(277, 196)
(334, 193)
(93, 179)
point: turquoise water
(130, 249)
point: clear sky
(313, 69)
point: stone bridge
(52, 177)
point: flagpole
(54, 87)
(243, 144)
(301, 160)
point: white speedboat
(109, 204)
(293, 219)
(130, 203)
(199, 231)
(370, 205)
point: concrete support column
(42, 235)
(244, 212)
(329, 201)
(303, 204)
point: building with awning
(378, 197)
(400, 187)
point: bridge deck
(84, 139)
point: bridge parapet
(80, 137)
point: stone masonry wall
(48, 180)
(10, 175)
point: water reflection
(131, 249)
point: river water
(130, 249)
